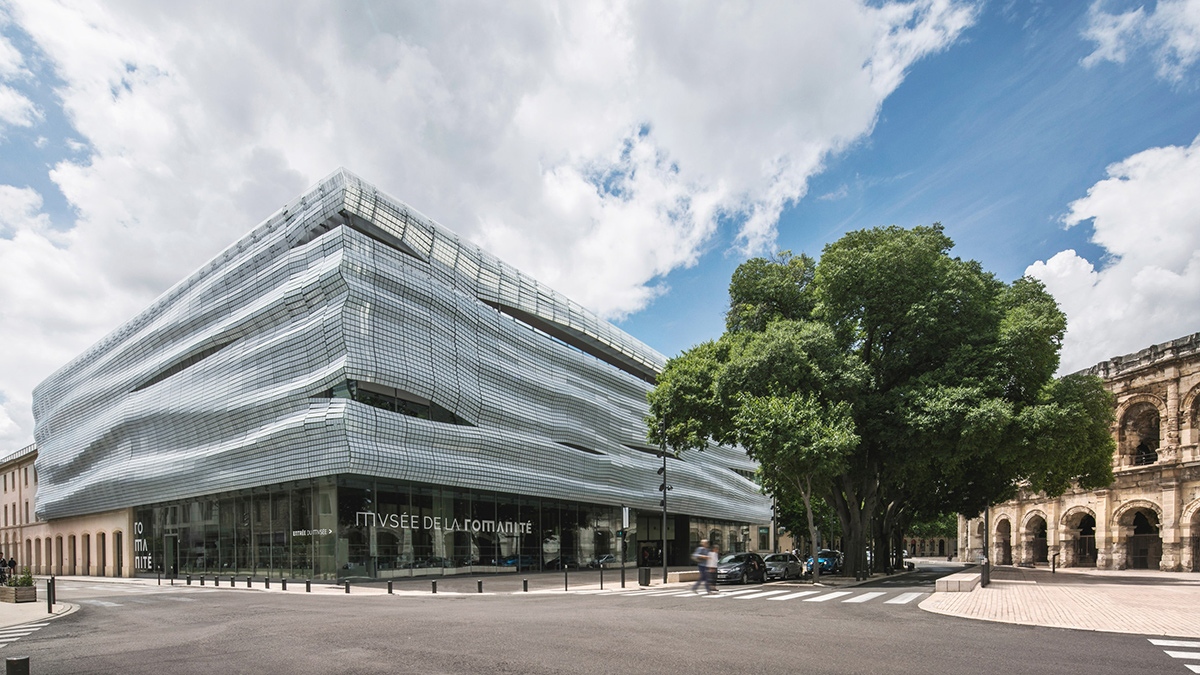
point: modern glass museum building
(351, 390)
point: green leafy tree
(799, 442)
(942, 373)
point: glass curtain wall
(361, 527)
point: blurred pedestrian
(714, 554)
(700, 557)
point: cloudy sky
(629, 154)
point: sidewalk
(1146, 602)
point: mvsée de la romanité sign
(412, 521)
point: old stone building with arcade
(1149, 518)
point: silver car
(783, 566)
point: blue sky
(629, 154)
(993, 138)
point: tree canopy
(898, 381)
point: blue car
(831, 561)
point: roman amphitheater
(1149, 518)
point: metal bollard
(160, 578)
(435, 585)
(201, 579)
(347, 585)
(266, 582)
(216, 580)
(189, 580)
(283, 584)
(308, 585)
(50, 595)
(231, 582)
(389, 586)
(479, 586)
(602, 577)
(247, 582)
(1053, 563)
(525, 585)
(16, 665)
(566, 584)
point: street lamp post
(664, 488)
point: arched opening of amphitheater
(1033, 541)
(1139, 541)
(1079, 540)
(1003, 546)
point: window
(6, 482)
(26, 475)
(27, 511)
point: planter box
(18, 593)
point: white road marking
(903, 599)
(1174, 643)
(102, 603)
(792, 596)
(828, 596)
(864, 597)
(1184, 655)
(759, 595)
(1192, 667)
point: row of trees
(892, 382)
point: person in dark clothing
(700, 557)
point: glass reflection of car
(606, 559)
(522, 562)
(742, 568)
(566, 561)
(830, 561)
(783, 566)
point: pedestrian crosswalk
(14, 633)
(1182, 649)
(852, 597)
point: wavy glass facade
(350, 356)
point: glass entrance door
(171, 555)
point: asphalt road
(131, 629)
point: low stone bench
(679, 577)
(959, 582)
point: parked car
(783, 566)
(606, 559)
(831, 561)
(741, 568)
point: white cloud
(594, 146)
(1149, 223)
(1171, 31)
(15, 108)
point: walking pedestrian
(700, 557)
(714, 554)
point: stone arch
(1003, 540)
(1141, 422)
(1077, 537)
(1034, 534)
(1189, 416)
(1138, 540)
(1119, 515)
(1035, 513)
(1074, 513)
(1190, 529)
